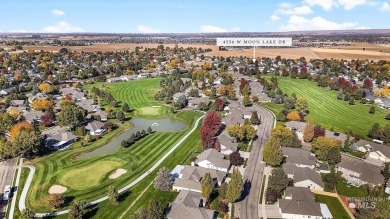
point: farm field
(355, 51)
(328, 111)
(138, 94)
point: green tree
(289, 102)
(113, 195)
(347, 144)
(223, 190)
(255, 119)
(272, 152)
(71, 115)
(27, 213)
(386, 133)
(334, 155)
(213, 93)
(155, 210)
(308, 134)
(125, 107)
(302, 105)
(278, 181)
(120, 116)
(386, 171)
(246, 101)
(149, 130)
(372, 110)
(77, 210)
(235, 187)
(207, 185)
(322, 147)
(26, 143)
(250, 132)
(375, 131)
(87, 138)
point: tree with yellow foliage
(222, 91)
(385, 92)
(326, 149)
(308, 134)
(42, 104)
(19, 126)
(46, 88)
(14, 112)
(293, 116)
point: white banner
(254, 41)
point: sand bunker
(117, 173)
(57, 189)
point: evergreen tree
(246, 101)
(386, 133)
(207, 185)
(120, 116)
(375, 132)
(27, 213)
(278, 181)
(372, 110)
(149, 130)
(125, 108)
(235, 187)
(223, 190)
(255, 119)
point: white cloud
(274, 17)
(296, 23)
(385, 6)
(351, 4)
(362, 28)
(286, 5)
(19, 31)
(212, 29)
(325, 4)
(57, 12)
(146, 29)
(62, 27)
(235, 29)
(300, 10)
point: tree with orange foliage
(22, 125)
(222, 91)
(17, 75)
(293, 116)
(46, 88)
(42, 104)
(384, 92)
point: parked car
(7, 193)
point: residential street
(248, 208)
(7, 170)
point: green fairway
(336, 208)
(328, 111)
(87, 176)
(138, 94)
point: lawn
(329, 112)
(336, 208)
(350, 191)
(138, 94)
(92, 175)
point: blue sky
(174, 16)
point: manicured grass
(91, 175)
(138, 94)
(137, 159)
(334, 205)
(23, 178)
(328, 111)
(356, 154)
(262, 191)
(350, 191)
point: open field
(355, 51)
(334, 205)
(138, 94)
(371, 52)
(91, 175)
(328, 111)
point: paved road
(7, 171)
(22, 201)
(249, 207)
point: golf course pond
(159, 125)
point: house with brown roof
(190, 205)
(300, 203)
(358, 172)
(212, 159)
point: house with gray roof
(95, 128)
(299, 157)
(190, 178)
(33, 116)
(304, 176)
(17, 103)
(299, 202)
(190, 205)
(374, 150)
(358, 172)
(212, 159)
(87, 105)
(38, 96)
(60, 140)
(227, 143)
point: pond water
(160, 125)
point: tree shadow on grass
(68, 200)
(91, 212)
(123, 196)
